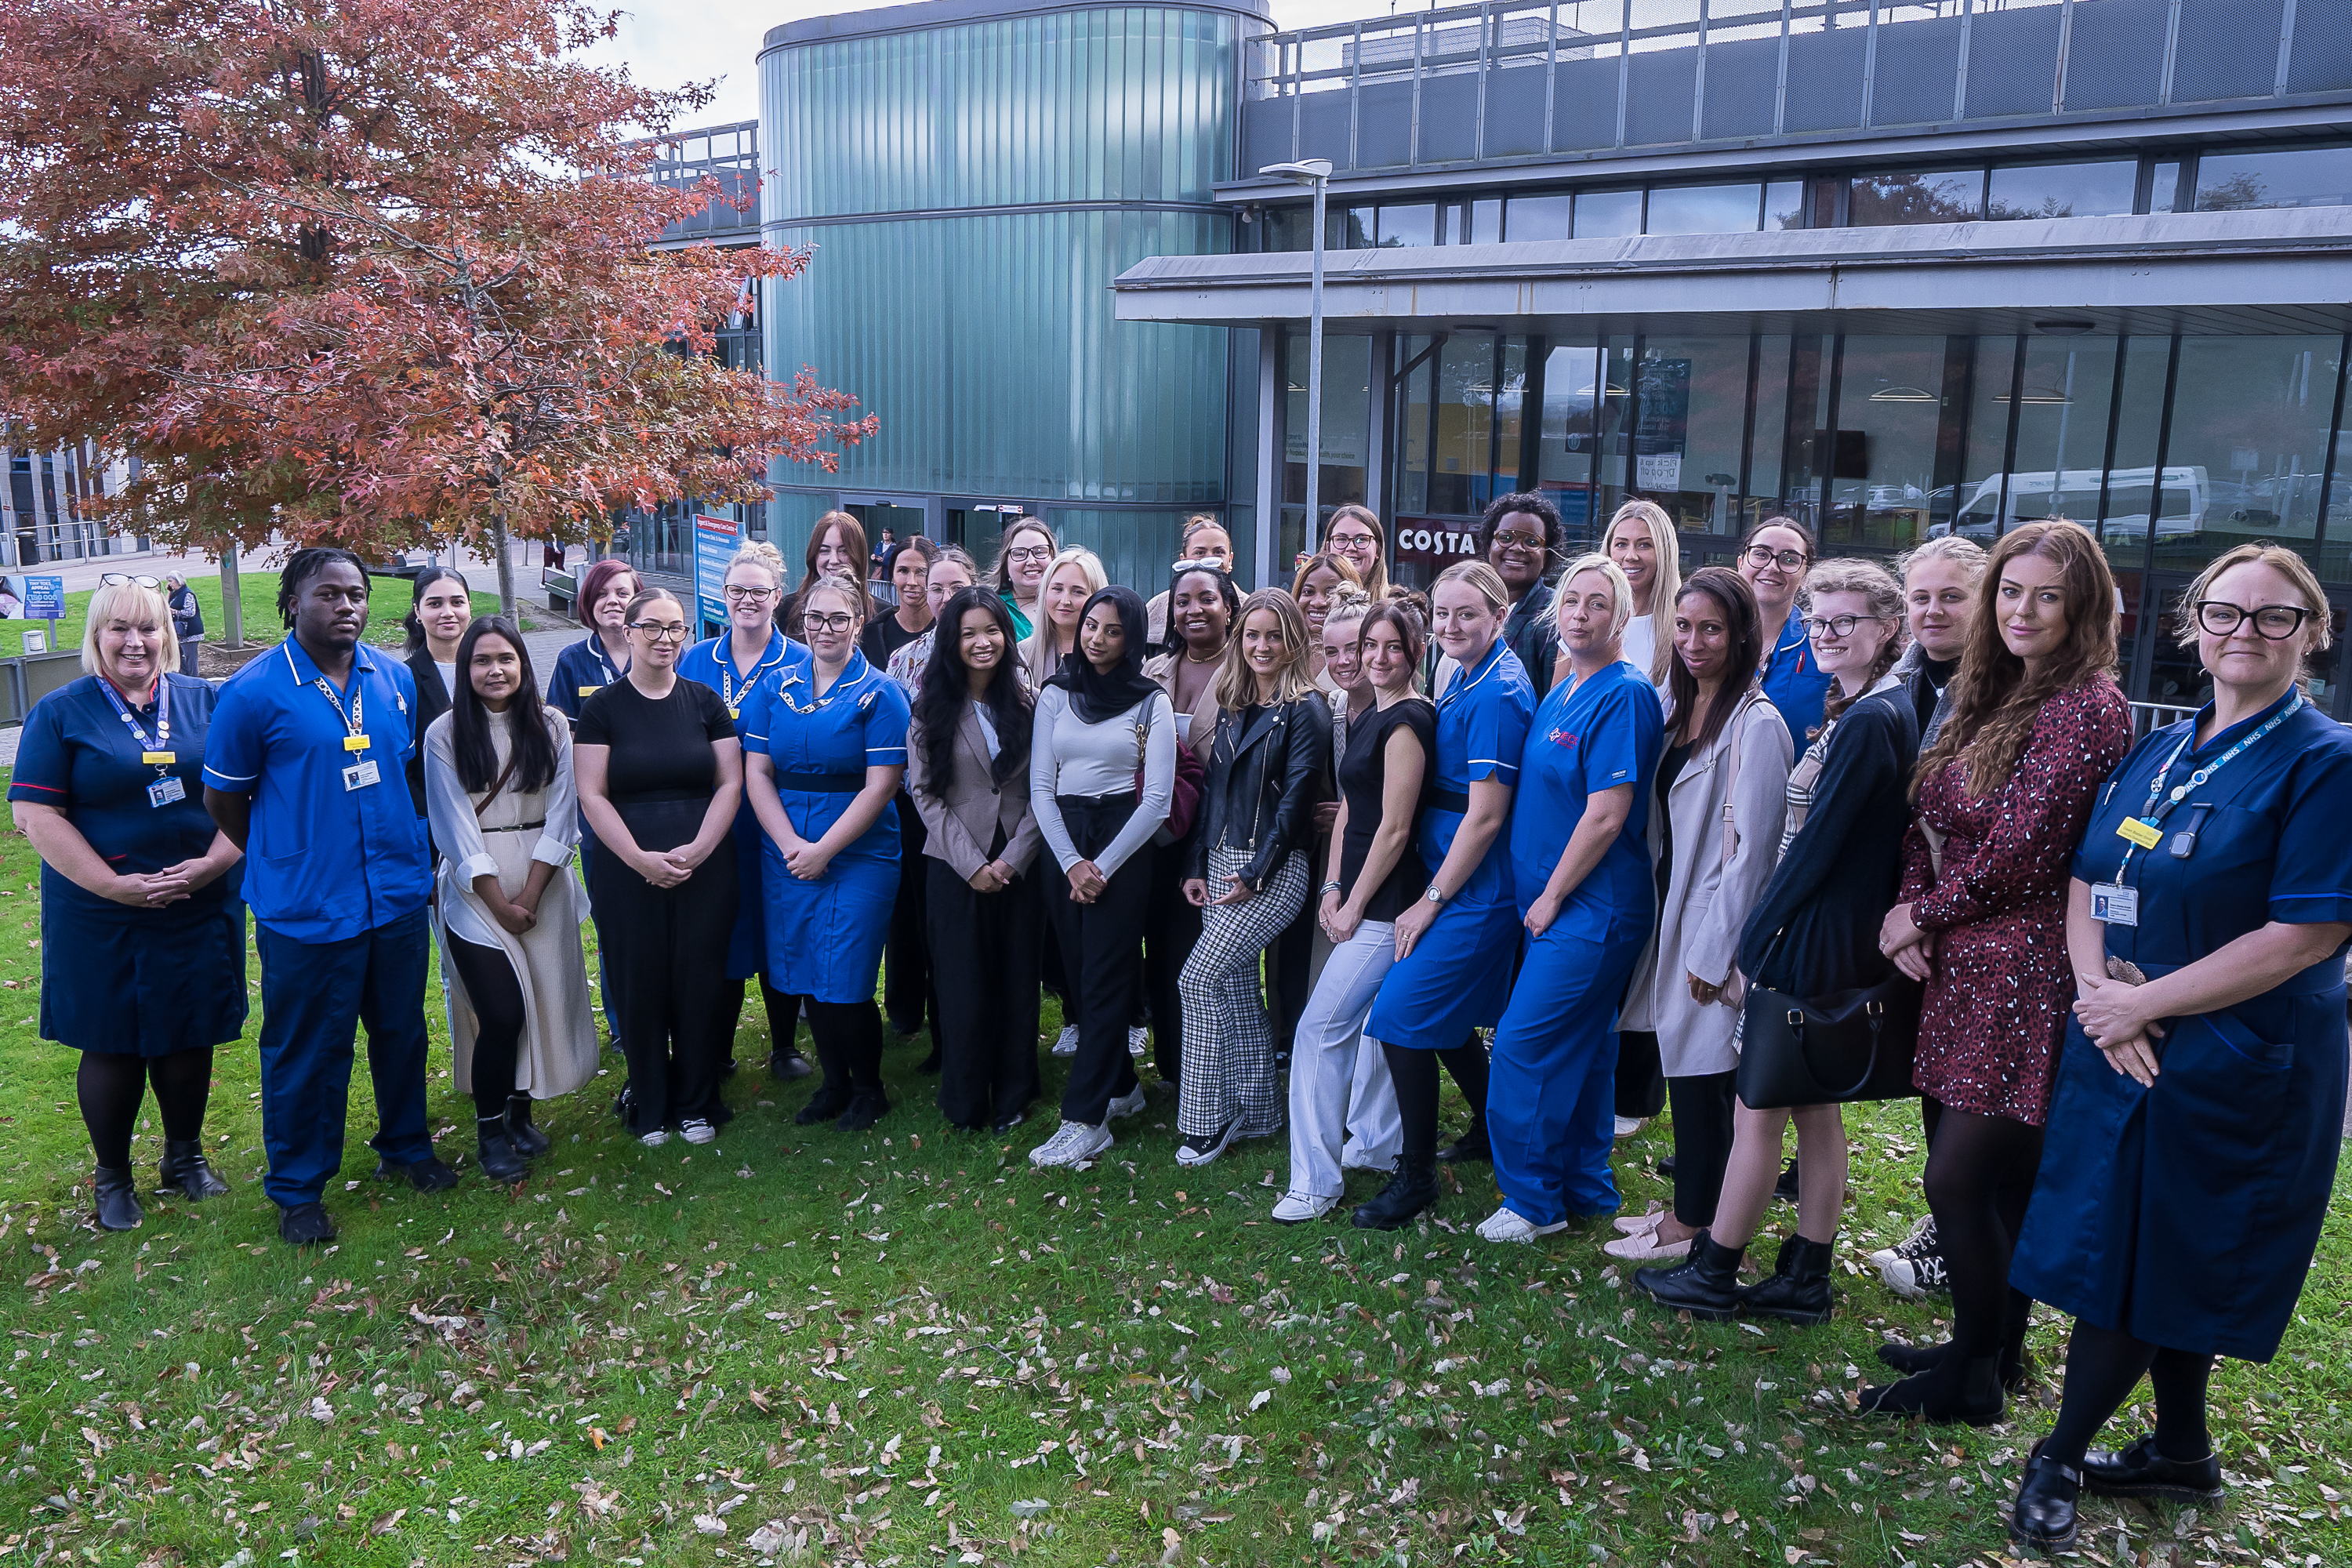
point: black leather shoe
(528, 1140)
(426, 1175)
(788, 1065)
(1799, 1290)
(118, 1200)
(500, 1160)
(1706, 1284)
(863, 1111)
(825, 1105)
(305, 1224)
(1940, 1398)
(2139, 1471)
(1666, 1166)
(184, 1171)
(2016, 1367)
(1786, 1187)
(1412, 1189)
(929, 1064)
(1471, 1147)
(2043, 1515)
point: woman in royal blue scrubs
(1456, 946)
(824, 745)
(2194, 1130)
(1580, 872)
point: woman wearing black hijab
(1101, 731)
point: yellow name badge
(355, 742)
(158, 759)
(590, 690)
(2140, 833)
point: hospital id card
(2114, 904)
(360, 776)
(165, 792)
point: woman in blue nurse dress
(825, 744)
(1456, 946)
(2195, 1124)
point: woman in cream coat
(1723, 788)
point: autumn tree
(373, 272)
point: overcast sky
(667, 42)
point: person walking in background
(1074, 576)
(142, 931)
(500, 798)
(302, 770)
(440, 610)
(968, 773)
(2037, 724)
(1720, 804)
(659, 773)
(188, 620)
(826, 744)
(1022, 553)
(1102, 767)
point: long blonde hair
(1666, 586)
(1237, 682)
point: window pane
(2064, 190)
(2061, 429)
(1458, 476)
(1486, 222)
(1346, 420)
(1537, 218)
(1770, 428)
(1979, 495)
(1510, 397)
(2250, 422)
(1606, 214)
(1408, 226)
(1693, 396)
(2163, 188)
(1412, 426)
(1784, 205)
(2306, 177)
(1289, 229)
(1616, 436)
(1351, 228)
(1564, 456)
(1890, 392)
(1954, 197)
(1703, 209)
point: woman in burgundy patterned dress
(2037, 724)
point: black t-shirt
(1361, 772)
(1925, 695)
(1670, 768)
(660, 751)
(882, 637)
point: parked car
(2074, 493)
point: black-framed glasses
(2273, 623)
(1765, 555)
(125, 579)
(1348, 540)
(659, 631)
(1029, 553)
(838, 622)
(1510, 539)
(738, 593)
(1837, 625)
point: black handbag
(1835, 1049)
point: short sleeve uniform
(824, 937)
(1795, 680)
(2187, 1214)
(1458, 976)
(1589, 735)
(114, 978)
(709, 663)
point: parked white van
(2074, 493)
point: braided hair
(303, 566)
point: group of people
(1595, 836)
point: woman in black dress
(659, 772)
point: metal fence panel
(2322, 57)
(1825, 79)
(1743, 86)
(1658, 90)
(1917, 61)
(1584, 112)
(2116, 58)
(2013, 61)
(2228, 48)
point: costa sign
(1424, 547)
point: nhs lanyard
(157, 753)
(2145, 831)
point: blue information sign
(716, 540)
(44, 599)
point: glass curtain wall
(1345, 434)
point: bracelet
(1327, 887)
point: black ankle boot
(495, 1151)
(1472, 1147)
(2044, 1516)
(866, 1108)
(1412, 1189)
(2016, 1366)
(825, 1105)
(1704, 1284)
(528, 1140)
(1799, 1290)
(184, 1171)
(118, 1201)
(1943, 1394)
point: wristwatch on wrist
(1433, 896)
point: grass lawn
(909, 1347)
(388, 600)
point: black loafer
(788, 1065)
(2139, 1471)
(305, 1224)
(426, 1175)
(2044, 1516)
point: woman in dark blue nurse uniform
(750, 650)
(825, 744)
(1456, 946)
(1580, 872)
(143, 932)
(2195, 1124)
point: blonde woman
(1641, 541)
(1941, 580)
(1247, 874)
(1074, 576)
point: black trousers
(984, 956)
(1171, 928)
(498, 1016)
(1641, 1088)
(1703, 1110)
(667, 948)
(1288, 958)
(909, 993)
(1102, 957)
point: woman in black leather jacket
(1248, 873)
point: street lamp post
(1315, 173)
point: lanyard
(604, 660)
(162, 740)
(2160, 804)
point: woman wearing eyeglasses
(1355, 536)
(1774, 558)
(2004, 795)
(1023, 556)
(2176, 1212)
(1519, 537)
(751, 649)
(659, 775)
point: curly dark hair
(1535, 506)
(305, 564)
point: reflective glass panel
(2061, 429)
(1891, 395)
(2250, 421)
(1607, 215)
(1486, 222)
(1768, 431)
(1564, 454)
(1951, 197)
(1538, 217)
(2064, 190)
(1691, 402)
(2299, 177)
(1703, 209)
(1408, 226)
(1784, 205)
(1347, 420)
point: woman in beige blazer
(1723, 785)
(968, 773)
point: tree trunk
(232, 600)
(505, 567)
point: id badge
(360, 776)
(590, 690)
(2114, 904)
(158, 759)
(356, 743)
(163, 791)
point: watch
(1432, 895)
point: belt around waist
(1120, 797)
(820, 783)
(519, 827)
(1454, 801)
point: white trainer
(1065, 1044)
(1628, 1125)
(654, 1139)
(1131, 1103)
(694, 1130)
(1918, 1244)
(1297, 1208)
(1073, 1143)
(1504, 1225)
(1138, 1037)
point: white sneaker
(1065, 1044)
(654, 1139)
(1138, 1037)
(1920, 1242)
(1644, 1246)
(1504, 1225)
(1296, 1208)
(1131, 1103)
(1639, 1224)
(1073, 1143)
(694, 1130)
(1629, 1125)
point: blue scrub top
(1795, 682)
(1589, 735)
(324, 863)
(77, 754)
(1482, 732)
(707, 662)
(583, 669)
(821, 746)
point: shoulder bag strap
(514, 755)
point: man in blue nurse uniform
(304, 772)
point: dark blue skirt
(144, 982)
